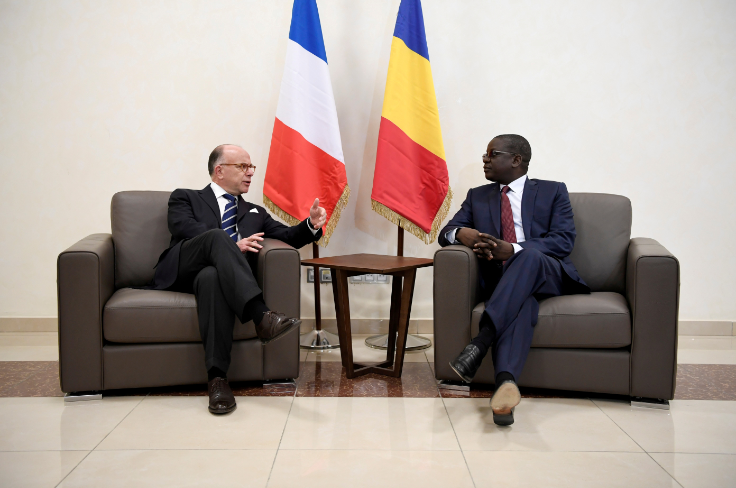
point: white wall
(629, 97)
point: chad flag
(411, 187)
(306, 160)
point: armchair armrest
(85, 281)
(278, 272)
(653, 293)
(455, 296)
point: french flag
(306, 161)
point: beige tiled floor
(706, 350)
(364, 442)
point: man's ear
(517, 161)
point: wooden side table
(404, 272)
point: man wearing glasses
(522, 231)
(213, 233)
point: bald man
(213, 232)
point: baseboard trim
(29, 324)
(706, 328)
(370, 326)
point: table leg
(342, 301)
(394, 315)
(339, 316)
(403, 326)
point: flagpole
(317, 300)
(413, 341)
(318, 339)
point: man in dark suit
(212, 232)
(522, 231)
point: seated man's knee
(529, 256)
(208, 274)
(218, 236)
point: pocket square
(254, 210)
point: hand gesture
(317, 215)
(250, 244)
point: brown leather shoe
(275, 324)
(222, 399)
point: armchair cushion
(150, 316)
(599, 320)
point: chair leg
(650, 403)
(82, 396)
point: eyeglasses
(495, 153)
(242, 167)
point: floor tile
(363, 353)
(328, 379)
(706, 342)
(363, 469)
(369, 423)
(46, 424)
(37, 469)
(706, 350)
(180, 468)
(699, 470)
(695, 426)
(566, 469)
(712, 356)
(29, 353)
(29, 339)
(541, 424)
(185, 423)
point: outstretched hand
(317, 215)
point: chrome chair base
(82, 397)
(413, 342)
(318, 340)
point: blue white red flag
(306, 161)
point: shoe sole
(503, 419)
(283, 332)
(217, 411)
(507, 396)
(464, 378)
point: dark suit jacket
(546, 215)
(193, 212)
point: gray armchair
(621, 339)
(113, 335)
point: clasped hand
(485, 246)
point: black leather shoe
(504, 400)
(275, 324)
(467, 363)
(222, 399)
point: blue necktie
(228, 217)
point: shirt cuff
(450, 236)
(517, 247)
(309, 224)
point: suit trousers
(213, 268)
(527, 276)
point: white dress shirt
(515, 194)
(222, 202)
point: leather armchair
(620, 339)
(113, 335)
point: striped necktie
(228, 217)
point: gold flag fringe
(328, 229)
(410, 226)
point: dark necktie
(508, 233)
(228, 217)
